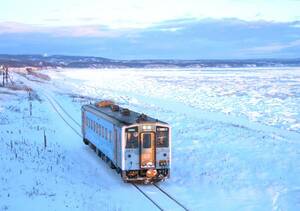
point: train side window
(132, 137)
(115, 135)
(102, 131)
(162, 137)
(110, 139)
(106, 136)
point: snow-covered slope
(236, 139)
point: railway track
(155, 194)
(159, 197)
(61, 115)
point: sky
(137, 29)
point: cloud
(67, 31)
(181, 39)
(12, 27)
(274, 47)
(172, 29)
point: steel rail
(171, 197)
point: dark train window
(106, 136)
(98, 129)
(102, 131)
(132, 137)
(162, 137)
(147, 140)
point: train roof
(123, 115)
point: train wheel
(112, 165)
(85, 141)
(97, 151)
(92, 146)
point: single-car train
(136, 145)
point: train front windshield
(132, 137)
(162, 137)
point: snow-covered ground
(236, 139)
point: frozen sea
(235, 133)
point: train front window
(132, 137)
(146, 140)
(162, 137)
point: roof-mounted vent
(125, 111)
(115, 108)
(105, 103)
(142, 118)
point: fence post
(45, 140)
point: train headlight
(151, 173)
(147, 127)
(132, 173)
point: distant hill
(63, 61)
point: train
(137, 146)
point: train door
(83, 123)
(147, 149)
(116, 145)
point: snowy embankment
(64, 175)
(236, 139)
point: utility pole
(6, 75)
(3, 75)
(30, 102)
(45, 140)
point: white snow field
(236, 139)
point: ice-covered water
(236, 132)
